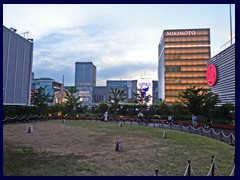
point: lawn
(84, 148)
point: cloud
(121, 40)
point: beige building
(182, 61)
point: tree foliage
(198, 99)
(40, 97)
(141, 97)
(116, 96)
(72, 101)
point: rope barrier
(233, 170)
(218, 169)
(211, 168)
(193, 172)
(186, 171)
(25, 117)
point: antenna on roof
(230, 23)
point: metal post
(156, 172)
(211, 133)
(189, 128)
(221, 136)
(201, 130)
(234, 164)
(162, 124)
(181, 127)
(213, 165)
(189, 168)
(170, 125)
(231, 139)
(230, 23)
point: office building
(133, 85)
(17, 68)
(85, 74)
(102, 93)
(221, 75)
(182, 61)
(54, 88)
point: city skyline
(121, 40)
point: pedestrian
(140, 115)
(169, 119)
(194, 120)
(207, 123)
(106, 116)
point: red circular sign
(211, 75)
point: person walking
(169, 119)
(194, 120)
(106, 116)
(140, 115)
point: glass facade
(182, 61)
(50, 85)
(131, 86)
(85, 74)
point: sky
(121, 40)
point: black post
(162, 124)
(189, 128)
(170, 124)
(201, 130)
(156, 172)
(211, 133)
(231, 139)
(181, 127)
(213, 165)
(221, 136)
(189, 168)
(234, 165)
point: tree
(164, 109)
(198, 100)
(178, 109)
(116, 96)
(72, 101)
(40, 97)
(141, 97)
(226, 111)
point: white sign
(180, 33)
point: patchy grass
(83, 148)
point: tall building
(221, 75)
(17, 68)
(102, 93)
(51, 86)
(85, 80)
(131, 86)
(182, 61)
(85, 74)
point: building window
(173, 68)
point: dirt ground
(94, 151)
(63, 139)
(91, 148)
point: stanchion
(189, 168)
(212, 165)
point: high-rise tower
(182, 61)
